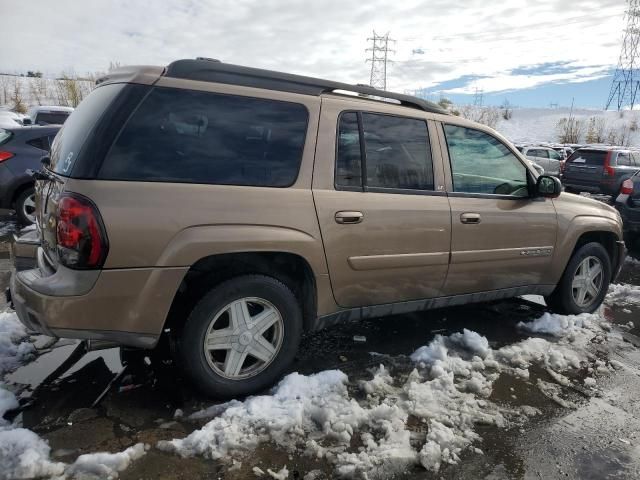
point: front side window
(481, 164)
(396, 149)
(188, 136)
(554, 155)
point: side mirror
(548, 186)
(26, 121)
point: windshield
(76, 130)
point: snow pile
(23, 454)
(104, 465)
(448, 393)
(13, 350)
(623, 294)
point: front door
(501, 236)
(384, 223)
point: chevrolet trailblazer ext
(238, 208)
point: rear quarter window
(188, 136)
(5, 135)
(588, 157)
(71, 138)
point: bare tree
(488, 116)
(570, 130)
(39, 91)
(596, 130)
(5, 86)
(16, 99)
(619, 136)
(507, 110)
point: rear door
(501, 236)
(540, 156)
(379, 194)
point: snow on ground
(540, 124)
(448, 391)
(623, 294)
(23, 454)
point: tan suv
(233, 209)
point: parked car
(228, 210)
(21, 148)
(628, 204)
(9, 119)
(49, 114)
(599, 169)
(546, 157)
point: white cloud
(326, 39)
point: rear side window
(72, 136)
(624, 159)
(41, 143)
(396, 149)
(588, 157)
(200, 137)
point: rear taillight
(627, 187)
(82, 240)
(563, 164)
(5, 155)
(608, 170)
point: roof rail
(209, 70)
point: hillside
(540, 124)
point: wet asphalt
(112, 399)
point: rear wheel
(241, 337)
(584, 283)
(26, 206)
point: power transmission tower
(379, 58)
(477, 97)
(626, 80)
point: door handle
(349, 217)
(473, 218)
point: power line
(379, 58)
(626, 80)
(477, 97)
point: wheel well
(206, 273)
(606, 239)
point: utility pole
(626, 80)
(379, 58)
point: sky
(530, 53)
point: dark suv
(628, 204)
(600, 169)
(21, 148)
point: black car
(21, 148)
(628, 204)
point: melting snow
(623, 294)
(448, 392)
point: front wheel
(241, 337)
(584, 283)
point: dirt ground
(599, 438)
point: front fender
(568, 238)
(193, 243)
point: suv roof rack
(209, 70)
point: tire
(249, 295)
(566, 299)
(25, 208)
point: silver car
(546, 157)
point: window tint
(480, 163)
(42, 143)
(588, 157)
(5, 135)
(624, 160)
(51, 118)
(348, 160)
(76, 129)
(398, 153)
(200, 137)
(538, 153)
